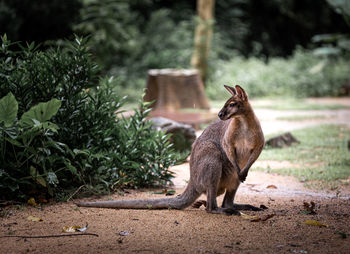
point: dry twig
(48, 236)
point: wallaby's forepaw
(242, 176)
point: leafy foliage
(28, 152)
(145, 149)
(8, 110)
(76, 137)
(41, 112)
(301, 75)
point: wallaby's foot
(246, 207)
(220, 210)
(199, 203)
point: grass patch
(300, 117)
(322, 150)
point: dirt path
(193, 230)
(188, 231)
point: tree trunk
(175, 89)
(203, 35)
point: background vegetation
(129, 37)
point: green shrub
(29, 154)
(301, 75)
(141, 147)
(85, 143)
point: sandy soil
(190, 230)
(194, 230)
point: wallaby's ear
(241, 93)
(231, 90)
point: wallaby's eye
(232, 104)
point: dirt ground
(194, 230)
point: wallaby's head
(236, 105)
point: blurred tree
(203, 36)
(130, 37)
(274, 27)
(112, 27)
(38, 20)
(342, 7)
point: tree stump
(173, 89)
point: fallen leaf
(264, 218)
(35, 219)
(83, 228)
(315, 223)
(249, 217)
(32, 202)
(71, 229)
(271, 186)
(166, 192)
(309, 208)
(343, 234)
(170, 193)
(268, 216)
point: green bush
(85, 142)
(29, 154)
(301, 75)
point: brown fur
(220, 161)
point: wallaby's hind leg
(228, 202)
(212, 191)
(206, 171)
(212, 207)
(228, 198)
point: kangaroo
(220, 160)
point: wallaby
(220, 160)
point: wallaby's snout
(221, 115)
(229, 110)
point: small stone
(183, 135)
(124, 233)
(286, 139)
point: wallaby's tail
(180, 202)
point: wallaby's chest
(240, 140)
